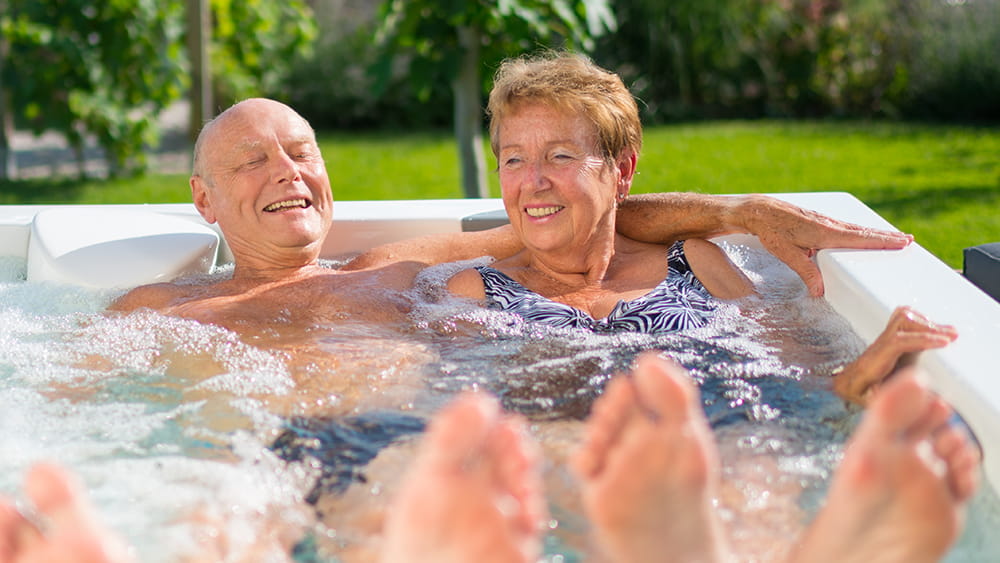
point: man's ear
(199, 195)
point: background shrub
(954, 72)
(333, 88)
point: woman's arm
(467, 283)
(790, 233)
(906, 333)
(716, 271)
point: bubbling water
(91, 391)
(763, 366)
(172, 423)
(763, 379)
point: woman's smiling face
(558, 190)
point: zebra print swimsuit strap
(679, 302)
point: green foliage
(420, 38)
(333, 89)
(684, 58)
(801, 58)
(955, 67)
(254, 44)
(862, 67)
(453, 41)
(106, 68)
(941, 183)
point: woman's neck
(589, 266)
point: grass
(941, 183)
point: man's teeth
(286, 204)
(542, 211)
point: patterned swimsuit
(679, 302)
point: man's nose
(285, 169)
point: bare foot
(650, 471)
(900, 492)
(472, 494)
(71, 530)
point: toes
(604, 426)
(10, 524)
(457, 435)
(961, 456)
(57, 495)
(516, 458)
(664, 388)
(935, 415)
(964, 473)
(903, 406)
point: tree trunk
(683, 73)
(8, 167)
(467, 89)
(81, 160)
(199, 33)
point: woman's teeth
(542, 211)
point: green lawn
(941, 183)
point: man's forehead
(244, 128)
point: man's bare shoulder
(155, 296)
(392, 275)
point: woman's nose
(537, 175)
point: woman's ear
(199, 195)
(626, 170)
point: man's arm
(790, 233)
(499, 243)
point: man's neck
(263, 273)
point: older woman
(567, 135)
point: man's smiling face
(262, 178)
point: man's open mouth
(543, 211)
(300, 203)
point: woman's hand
(907, 333)
(794, 235)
